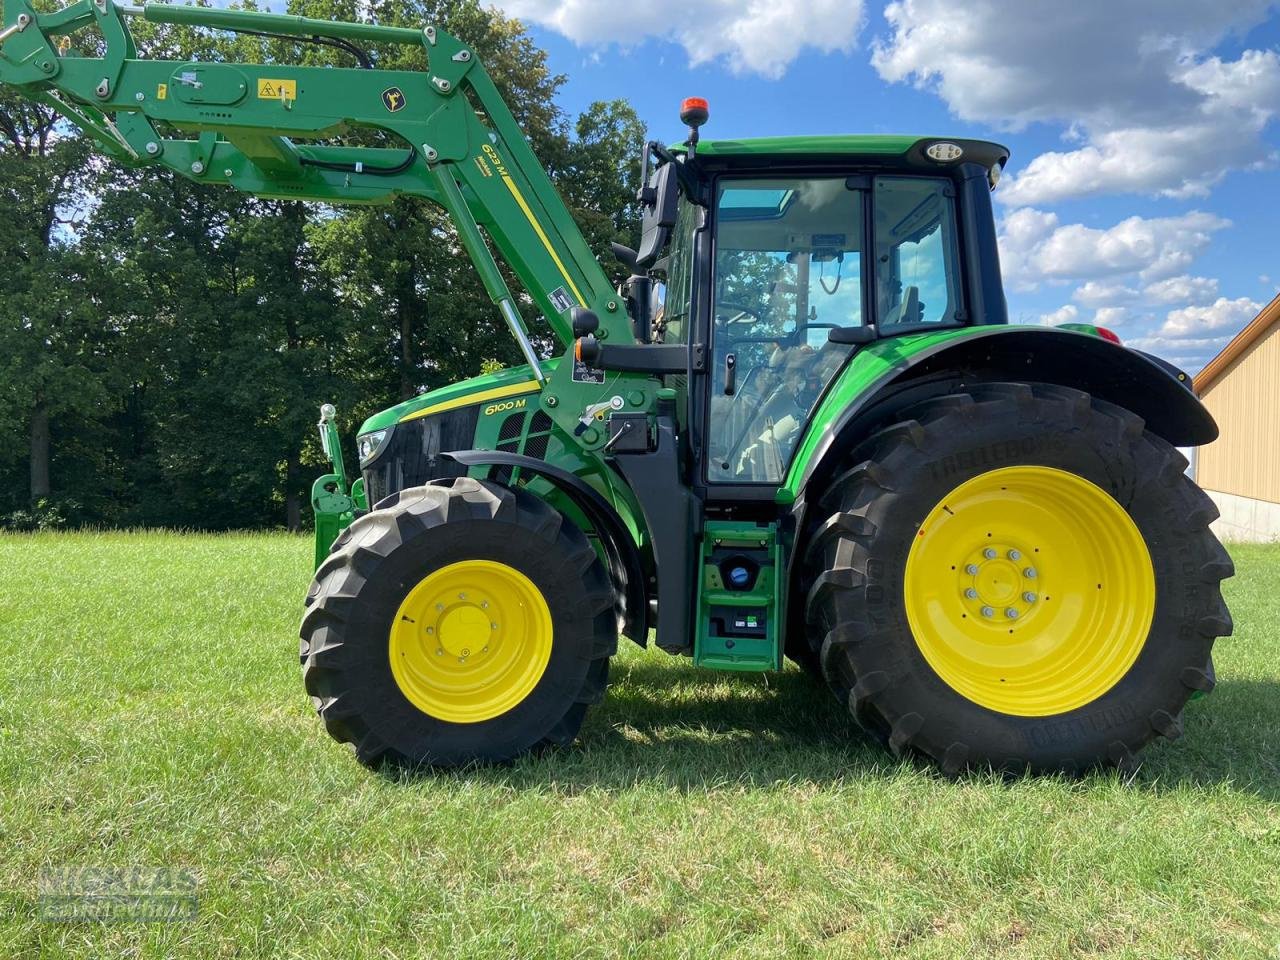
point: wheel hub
(1029, 591)
(470, 641)
(1005, 583)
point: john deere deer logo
(393, 99)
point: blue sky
(1144, 186)
(1143, 192)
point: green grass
(151, 713)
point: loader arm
(261, 128)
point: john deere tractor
(802, 428)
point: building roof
(1237, 348)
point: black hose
(400, 168)
(335, 42)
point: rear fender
(886, 376)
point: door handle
(730, 374)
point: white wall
(1245, 520)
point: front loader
(803, 427)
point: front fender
(625, 562)
(864, 393)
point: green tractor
(803, 427)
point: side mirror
(658, 218)
(853, 335)
(624, 255)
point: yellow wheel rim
(470, 641)
(1030, 591)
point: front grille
(412, 457)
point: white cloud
(748, 36)
(1110, 316)
(1068, 313)
(1221, 315)
(1034, 247)
(1095, 294)
(1150, 109)
(1183, 289)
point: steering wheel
(728, 312)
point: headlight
(369, 445)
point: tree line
(165, 346)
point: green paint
(725, 615)
(872, 364)
(871, 145)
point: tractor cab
(785, 256)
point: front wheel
(1018, 577)
(457, 622)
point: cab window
(917, 274)
(788, 268)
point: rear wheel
(1019, 577)
(457, 622)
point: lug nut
(493, 626)
(1015, 555)
(1029, 573)
(989, 553)
(1030, 597)
(988, 612)
(971, 593)
(1011, 613)
(971, 569)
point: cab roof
(879, 146)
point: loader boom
(263, 129)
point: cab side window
(917, 268)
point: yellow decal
(493, 408)
(393, 99)
(483, 164)
(277, 89)
(162, 92)
(537, 227)
(474, 399)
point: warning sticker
(559, 298)
(277, 90)
(585, 374)
(162, 92)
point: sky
(1143, 192)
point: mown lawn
(151, 714)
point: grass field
(151, 714)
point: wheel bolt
(484, 604)
(439, 651)
(1015, 555)
(431, 630)
(1029, 573)
(439, 606)
(971, 569)
(971, 593)
(989, 553)
(1011, 613)
(1030, 597)
(493, 626)
(988, 612)
(462, 596)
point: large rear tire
(1020, 577)
(458, 622)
